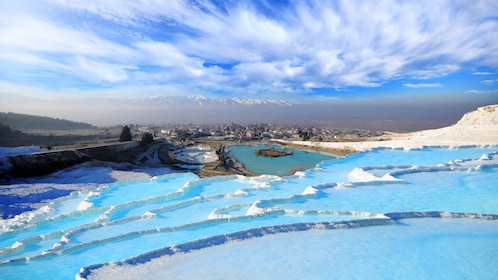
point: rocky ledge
(272, 152)
(39, 164)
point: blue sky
(301, 51)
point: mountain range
(112, 109)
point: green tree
(147, 138)
(5, 130)
(125, 134)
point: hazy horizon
(384, 64)
(164, 110)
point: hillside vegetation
(23, 121)
(47, 133)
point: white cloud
(24, 58)
(162, 54)
(482, 73)
(435, 85)
(98, 70)
(311, 44)
(482, 91)
(489, 82)
(35, 35)
(129, 12)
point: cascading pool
(118, 221)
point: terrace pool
(354, 213)
(281, 166)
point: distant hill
(22, 121)
(483, 117)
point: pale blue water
(128, 219)
(419, 249)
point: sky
(372, 56)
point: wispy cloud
(422, 85)
(489, 82)
(270, 47)
(100, 70)
(482, 73)
(44, 36)
(482, 91)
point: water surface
(114, 222)
(281, 166)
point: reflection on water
(123, 220)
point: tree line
(23, 121)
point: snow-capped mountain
(201, 100)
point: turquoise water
(123, 220)
(281, 166)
